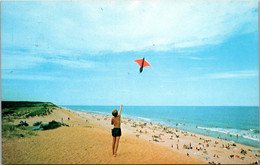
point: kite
(142, 64)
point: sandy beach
(85, 142)
(185, 72)
(88, 140)
(204, 148)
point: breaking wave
(98, 112)
(142, 118)
(242, 133)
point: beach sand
(204, 148)
(85, 142)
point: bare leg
(116, 145)
(113, 145)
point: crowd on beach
(208, 149)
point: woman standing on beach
(116, 131)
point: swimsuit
(116, 132)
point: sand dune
(84, 143)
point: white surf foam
(98, 112)
(143, 118)
(234, 132)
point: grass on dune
(11, 131)
(12, 111)
(18, 110)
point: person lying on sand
(116, 131)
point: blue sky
(81, 52)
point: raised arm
(119, 113)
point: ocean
(225, 122)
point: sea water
(232, 123)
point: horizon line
(134, 105)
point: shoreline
(83, 142)
(204, 148)
(233, 130)
(88, 139)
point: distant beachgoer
(116, 131)
(25, 124)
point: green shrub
(12, 131)
(31, 133)
(10, 120)
(26, 109)
(8, 127)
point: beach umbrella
(207, 157)
(254, 150)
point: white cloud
(68, 31)
(189, 57)
(170, 24)
(83, 64)
(30, 77)
(27, 60)
(234, 74)
(20, 61)
(242, 74)
(117, 26)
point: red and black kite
(142, 64)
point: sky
(202, 53)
